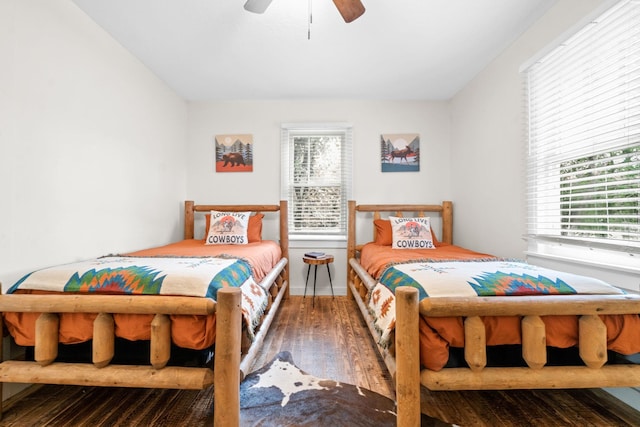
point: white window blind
(316, 178)
(583, 101)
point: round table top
(318, 261)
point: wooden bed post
(407, 357)
(284, 239)
(351, 242)
(447, 222)
(226, 383)
(188, 220)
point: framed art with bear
(234, 153)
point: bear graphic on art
(233, 158)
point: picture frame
(234, 153)
(400, 152)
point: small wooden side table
(325, 260)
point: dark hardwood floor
(329, 340)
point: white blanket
(472, 279)
(196, 277)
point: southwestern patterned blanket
(186, 276)
(490, 277)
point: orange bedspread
(193, 332)
(374, 258)
(262, 256)
(438, 334)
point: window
(583, 101)
(316, 178)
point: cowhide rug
(280, 394)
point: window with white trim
(316, 179)
(583, 160)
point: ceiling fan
(349, 9)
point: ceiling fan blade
(349, 9)
(257, 6)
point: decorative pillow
(411, 233)
(383, 232)
(254, 233)
(228, 228)
(384, 236)
(254, 230)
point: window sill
(586, 262)
(603, 258)
(623, 273)
(306, 242)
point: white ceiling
(399, 49)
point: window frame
(551, 239)
(289, 133)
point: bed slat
(475, 343)
(46, 349)
(592, 341)
(160, 341)
(534, 341)
(103, 346)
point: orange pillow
(383, 232)
(254, 228)
(384, 235)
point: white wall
(92, 144)
(369, 120)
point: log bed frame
(403, 359)
(232, 357)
